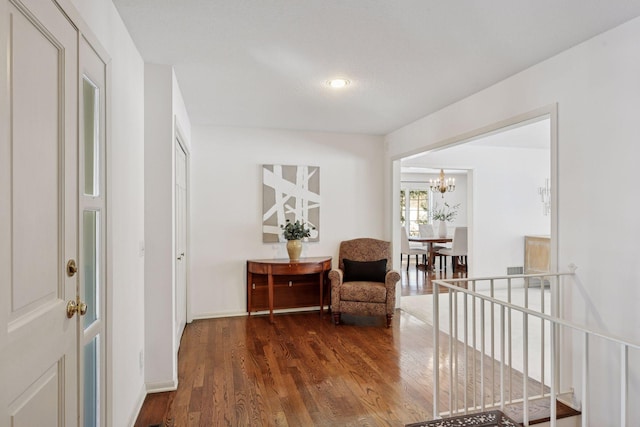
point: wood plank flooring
(417, 281)
(300, 371)
(305, 371)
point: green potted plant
(444, 214)
(294, 232)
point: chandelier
(442, 185)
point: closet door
(38, 215)
(181, 242)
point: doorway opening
(505, 184)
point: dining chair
(426, 230)
(458, 250)
(410, 249)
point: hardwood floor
(417, 281)
(300, 371)
(304, 371)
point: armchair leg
(336, 318)
(389, 319)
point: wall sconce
(545, 197)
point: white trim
(396, 178)
(162, 386)
(142, 395)
(506, 124)
(108, 268)
(220, 315)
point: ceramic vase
(294, 248)
(442, 229)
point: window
(414, 207)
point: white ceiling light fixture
(338, 83)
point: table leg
(432, 256)
(249, 290)
(321, 292)
(270, 285)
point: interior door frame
(550, 111)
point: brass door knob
(72, 269)
(82, 308)
(74, 307)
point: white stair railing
(475, 332)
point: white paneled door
(39, 217)
(181, 242)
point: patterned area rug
(485, 419)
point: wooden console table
(285, 269)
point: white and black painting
(290, 192)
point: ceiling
(265, 63)
(535, 135)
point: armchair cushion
(364, 271)
(364, 291)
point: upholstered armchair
(364, 283)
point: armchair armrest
(390, 280)
(336, 275)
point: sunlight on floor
(421, 307)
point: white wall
(125, 198)
(159, 266)
(226, 203)
(181, 117)
(595, 86)
(164, 110)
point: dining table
(429, 241)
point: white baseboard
(240, 314)
(218, 315)
(161, 386)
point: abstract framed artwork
(293, 193)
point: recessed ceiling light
(338, 83)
